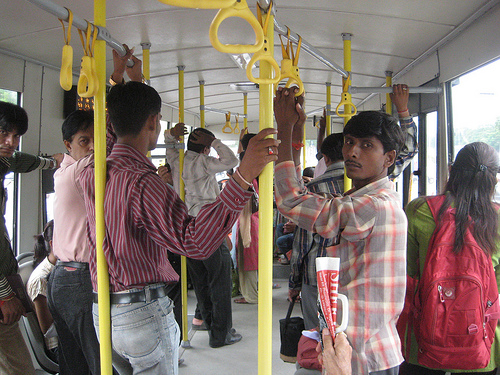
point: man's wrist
(113, 80)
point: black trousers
(212, 284)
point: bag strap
(289, 313)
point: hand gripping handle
(241, 10)
(200, 4)
(290, 71)
(265, 55)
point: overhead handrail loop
(236, 129)
(289, 64)
(88, 83)
(227, 129)
(66, 72)
(238, 9)
(200, 4)
(264, 54)
(346, 99)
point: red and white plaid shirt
(372, 251)
(145, 218)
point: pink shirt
(70, 217)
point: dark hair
(42, 243)
(308, 172)
(332, 146)
(197, 147)
(380, 125)
(130, 105)
(244, 143)
(13, 117)
(472, 181)
(78, 120)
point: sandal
(241, 300)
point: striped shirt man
(145, 217)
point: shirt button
(238, 200)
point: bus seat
(30, 322)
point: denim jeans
(283, 241)
(213, 284)
(69, 294)
(145, 335)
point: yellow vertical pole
(346, 37)
(184, 328)
(146, 72)
(202, 103)
(328, 108)
(265, 309)
(146, 68)
(388, 100)
(100, 185)
(245, 110)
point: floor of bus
(242, 357)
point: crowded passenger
(14, 355)
(145, 217)
(368, 222)
(70, 288)
(468, 193)
(211, 277)
(43, 261)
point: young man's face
(9, 140)
(82, 143)
(365, 160)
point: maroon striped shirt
(145, 217)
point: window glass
(476, 113)
(431, 120)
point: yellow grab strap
(346, 99)
(66, 73)
(88, 83)
(200, 4)
(227, 129)
(238, 9)
(236, 129)
(289, 64)
(264, 54)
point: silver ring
(270, 150)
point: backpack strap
(435, 204)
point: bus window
(431, 121)
(475, 110)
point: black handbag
(290, 333)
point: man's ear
(67, 144)
(151, 122)
(390, 158)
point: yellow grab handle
(241, 10)
(236, 129)
(264, 54)
(227, 129)
(200, 4)
(87, 84)
(66, 73)
(346, 100)
(290, 71)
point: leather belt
(134, 297)
(79, 265)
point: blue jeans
(69, 294)
(283, 241)
(145, 336)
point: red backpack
(456, 306)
